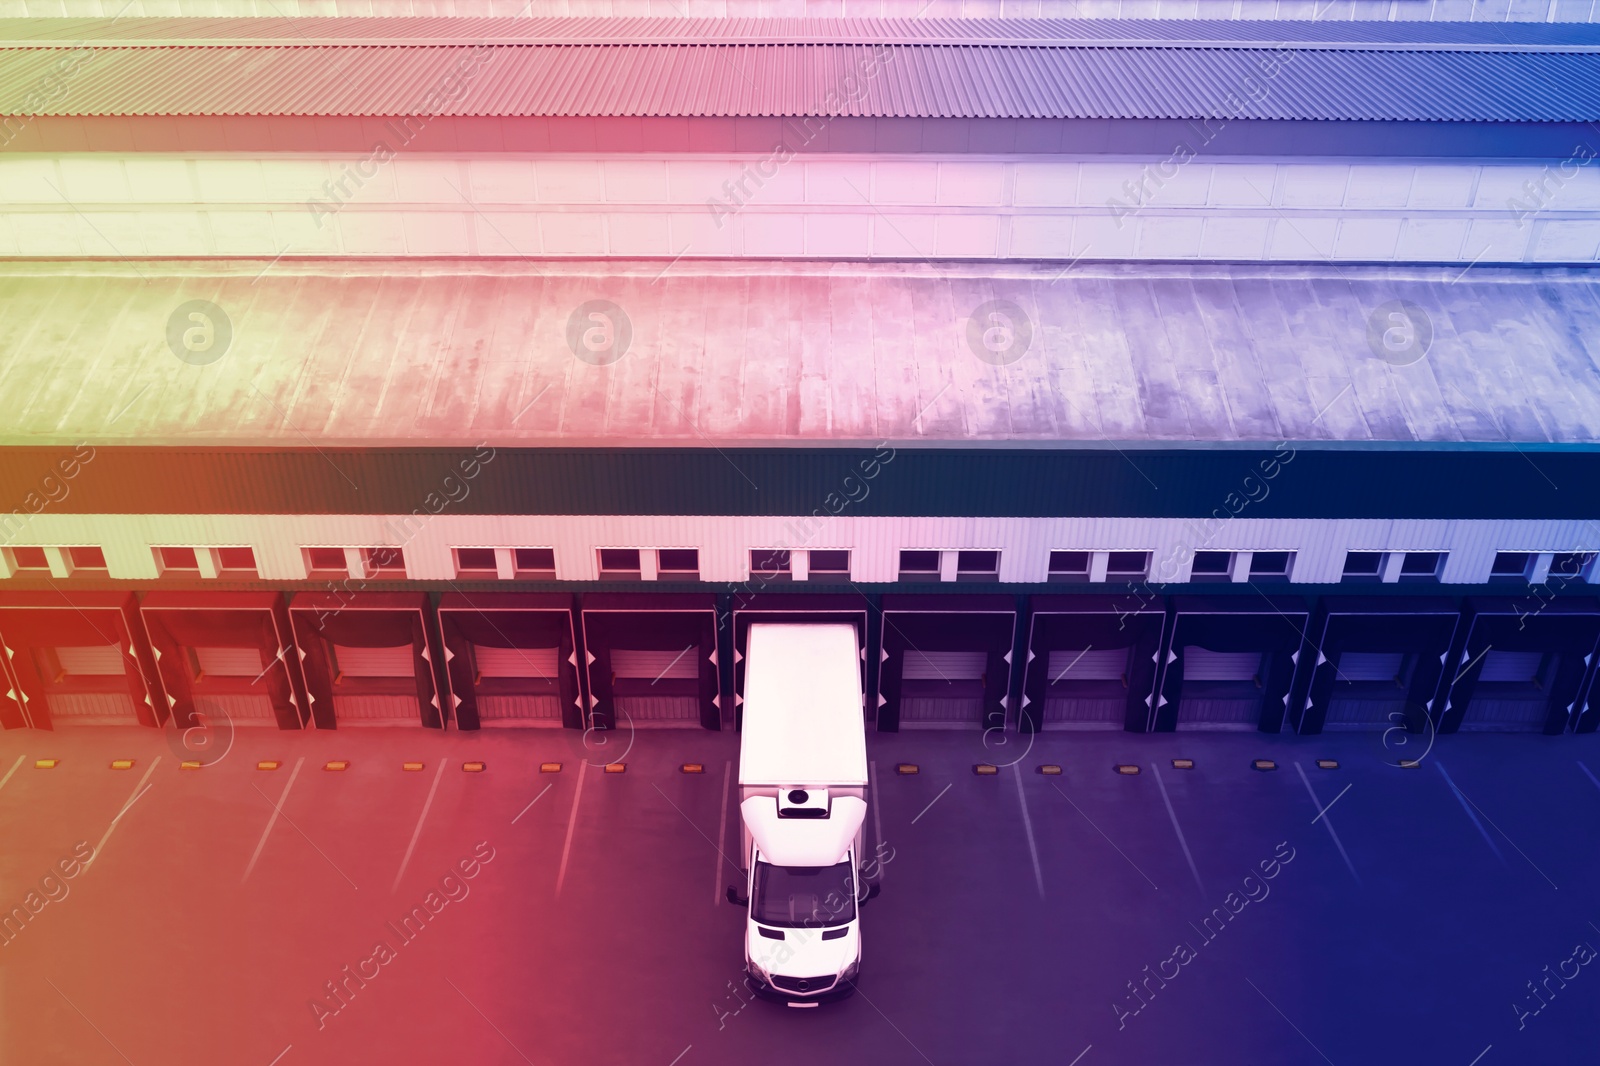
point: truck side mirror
(736, 899)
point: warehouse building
(461, 374)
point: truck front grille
(804, 984)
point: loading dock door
(1231, 663)
(533, 669)
(226, 656)
(652, 660)
(1369, 690)
(1221, 689)
(87, 685)
(1520, 669)
(1379, 663)
(512, 659)
(1087, 688)
(657, 686)
(1090, 662)
(78, 658)
(942, 688)
(944, 661)
(1512, 691)
(368, 658)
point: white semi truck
(803, 803)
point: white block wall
(875, 543)
(914, 207)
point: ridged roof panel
(419, 30)
(683, 79)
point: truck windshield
(800, 896)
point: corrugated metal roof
(1188, 32)
(930, 81)
(405, 353)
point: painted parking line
(877, 812)
(1176, 828)
(1081, 1054)
(1027, 824)
(1467, 802)
(276, 807)
(417, 832)
(1327, 822)
(23, 758)
(722, 835)
(1481, 1054)
(281, 1054)
(572, 824)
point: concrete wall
(915, 207)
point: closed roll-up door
(680, 664)
(945, 665)
(230, 662)
(1092, 665)
(375, 662)
(516, 662)
(102, 660)
(1202, 664)
(1513, 666)
(1370, 665)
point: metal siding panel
(704, 78)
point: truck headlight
(849, 973)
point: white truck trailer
(803, 802)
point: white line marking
(1581, 766)
(1481, 1054)
(281, 1054)
(1331, 802)
(417, 832)
(139, 790)
(722, 838)
(1176, 828)
(681, 1054)
(1329, 823)
(1497, 829)
(572, 824)
(1027, 824)
(1081, 1054)
(273, 820)
(931, 802)
(23, 758)
(531, 802)
(877, 816)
